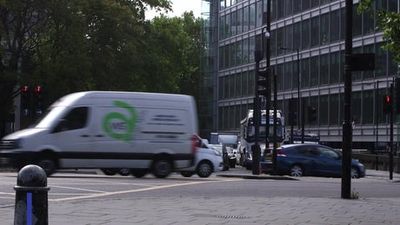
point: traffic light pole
(347, 127)
(391, 115)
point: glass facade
(315, 28)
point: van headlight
(19, 143)
(10, 144)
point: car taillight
(281, 153)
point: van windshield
(49, 117)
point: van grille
(8, 144)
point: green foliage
(76, 45)
(389, 24)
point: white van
(146, 132)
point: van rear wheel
(48, 165)
(161, 168)
(109, 172)
(138, 173)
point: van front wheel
(48, 165)
(161, 168)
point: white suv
(208, 160)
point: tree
(173, 50)
(81, 44)
(389, 24)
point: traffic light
(387, 104)
(25, 99)
(262, 83)
(31, 100)
(37, 92)
(397, 95)
(312, 114)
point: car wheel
(232, 163)
(204, 169)
(296, 171)
(109, 172)
(354, 173)
(161, 168)
(138, 173)
(48, 165)
(187, 173)
(124, 172)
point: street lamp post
(299, 105)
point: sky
(179, 7)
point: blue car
(314, 160)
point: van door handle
(99, 135)
(85, 135)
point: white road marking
(79, 189)
(134, 190)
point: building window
(335, 25)
(357, 25)
(324, 69)
(305, 32)
(380, 61)
(305, 72)
(259, 14)
(288, 7)
(289, 37)
(368, 105)
(334, 109)
(369, 73)
(334, 77)
(356, 107)
(233, 23)
(324, 29)
(305, 4)
(288, 76)
(296, 6)
(314, 71)
(315, 31)
(246, 19)
(253, 15)
(368, 22)
(296, 35)
(323, 110)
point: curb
(257, 177)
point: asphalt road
(81, 186)
(83, 198)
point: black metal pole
(255, 149)
(347, 128)
(376, 124)
(298, 88)
(274, 152)
(302, 121)
(268, 64)
(391, 135)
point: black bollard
(31, 205)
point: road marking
(79, 189)
(135, 190)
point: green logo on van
(118, 125)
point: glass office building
(314, 28)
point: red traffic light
(388, 99)
(25, 89)
(38, 89)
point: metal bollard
(31, 203)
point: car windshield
(49, 117)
